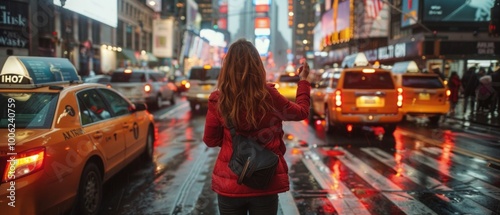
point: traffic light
(494, 26)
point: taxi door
(106, 130)
(133, 125)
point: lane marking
(172, 111)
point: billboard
(105, 11)
(163, 33)
(410, 13)
(336, 19)
(457, 10)
(262, 44)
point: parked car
(202, 81)
(63, 139)
(144, 85)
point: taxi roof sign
(38, 70)
(355, 60)
(405, 67)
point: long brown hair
(242, 85)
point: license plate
(369, 101)
(206, 87)
(424, 96)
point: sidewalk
(480, 118)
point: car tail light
(338, 98)
(448, 94)
(187, 85)
(23, 164)
(108, 85)
(400, 97)
(147, 88)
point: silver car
(144, 85)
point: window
(377, 80)
(118, 104)
(203, 74)
(32, 110)
(92, 107)
(431, 82)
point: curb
(495, 125)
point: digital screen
(262, 44)
(335, 21)
(457, 10)
(410, 13)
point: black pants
(258, 205)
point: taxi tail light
(187, 85)
(400, 97)
(338, 98)
(23, 164)
(448, 94)
(147, 88)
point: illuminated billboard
(457, 10)
(336, 19)
(410, 13)
(105, 11)
(262, 44)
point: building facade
(114, 35)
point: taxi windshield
(27, 110)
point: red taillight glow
(23, 164)
(147, 88)
(108, 85)
(187, 85)
(349, 128)
(338, 98)
(400, 97)
(448, 93)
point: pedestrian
(256, 109)
(454, 87)
(495, 83)
(486, 95)
(470, 82)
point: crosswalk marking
(404, 201)
(342, 199)
(481, 186)
(424, 180)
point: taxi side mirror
(140, 107)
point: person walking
(256, 109)
(495, 83)
(454, 85)
(470, 82)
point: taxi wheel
(148, 150)
(90, 190)
(389, 129)
(434, 120)
(159, 101)
(329, 127)
(172, 99)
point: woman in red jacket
(256, 109)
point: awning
(129, 55)
(151, 57)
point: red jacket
(269, 131)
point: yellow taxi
(425, 95)
(327, 81)
(286, 84)
(362, 96)
(61, 139)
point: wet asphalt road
(450, 169)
